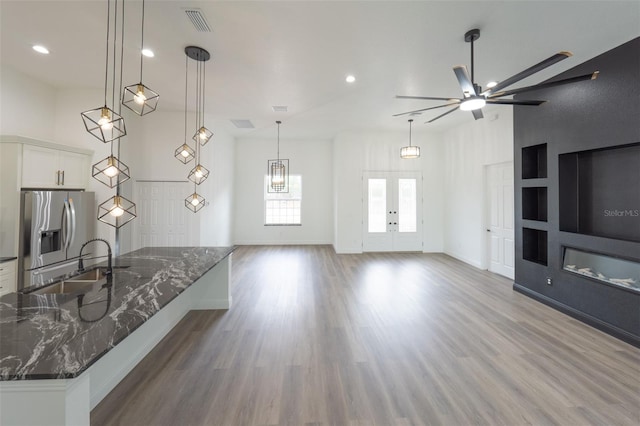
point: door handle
(488, 230)
(72, 210)
(66, 224)
(62, 177)
(395, 223)
(389, 223)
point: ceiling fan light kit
(474, 99)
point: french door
(392, 211)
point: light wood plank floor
(389, 339)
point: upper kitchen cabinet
(54, 168)
(30, 163)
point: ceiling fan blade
(425, 109)
(477, 114)
(591, 76)
(514, 102)
(442, 115)
(428, 98)
(529, 71)
(463, 79)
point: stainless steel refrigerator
(53, 227)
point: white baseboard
(472, 262)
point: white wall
(468, 148)
(310, 159)
(216, 219)
(27, 106)
(355, 152)
(152, 159)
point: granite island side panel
(56, 336)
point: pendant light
(201, 56)
(185, 153)
(195, 201)
(410, 151)
(278, 171)
(103, 122)
(138, 97)
(117, 210)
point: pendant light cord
(410, 123)
(204, 81)
(278, 152)
(106, 64)
(142, 42)
(120, 84)
(186, 87)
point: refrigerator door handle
(66, 225)
(72, 210)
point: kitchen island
(62, 353)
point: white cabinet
(7, 277)
(53, 168)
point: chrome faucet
(109, 267)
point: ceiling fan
(474, 98)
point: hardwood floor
(389, 339)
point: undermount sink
(81, 283)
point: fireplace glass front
(611, 270)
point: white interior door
(163, 220)
(500, 223)
(392, 211)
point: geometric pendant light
(138, 97)
(278, 171)
(198, 174)
(110, 171)
(195, 201)
(116, 211)
(103, 122)
(410, 151)
(184, 153)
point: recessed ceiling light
(492, 84)
(350, 79)
(41, 49)
(148, 53)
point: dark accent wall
(580, 117)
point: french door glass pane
(407, 205)
(377, 205)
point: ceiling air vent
(198, 20)
(243, 124)
(279, 108)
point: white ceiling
(298, 53)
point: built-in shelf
(534, 162)
(534, 245)
(534, 203)
(600, 192)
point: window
(283, 208)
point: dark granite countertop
(55, 336)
